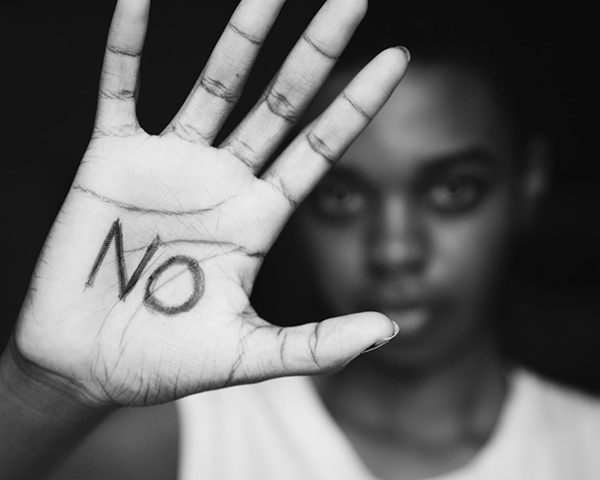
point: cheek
(472, 252)
(334, 258)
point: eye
(339, 199)
(457, 193)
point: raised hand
(140, 295)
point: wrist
(38, 388)
(41, 417)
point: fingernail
(406, 52)
(383, 341)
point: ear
(535, 175)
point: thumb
(316, 348)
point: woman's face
(416, 219)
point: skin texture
(140, 293)
(169, 225)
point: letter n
(125, 285)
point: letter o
(197, 278)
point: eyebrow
(474, 155)
(430, 166)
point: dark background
(52, 54)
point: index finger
(319, 146)
(299, 78)
(222, 79)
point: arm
(140, 295)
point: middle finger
(221, 81)
(301, 75)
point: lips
(412, 311)
(410, 321)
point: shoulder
(546, 431)
(560, 412)
(248, 408)
(257, 395)
(557, 399)
(264, 430)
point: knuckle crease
(356, 106)
(321, 148)
(318, 49)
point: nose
(397, 238)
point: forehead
(439, 110)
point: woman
(157, 276)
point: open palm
(141, 293)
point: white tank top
(280, 430)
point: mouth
(411, 320)
(412, 315)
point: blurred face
(416, 219)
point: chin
(404, 353)
(421, 351)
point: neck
(453, 399)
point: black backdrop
(52, 53)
